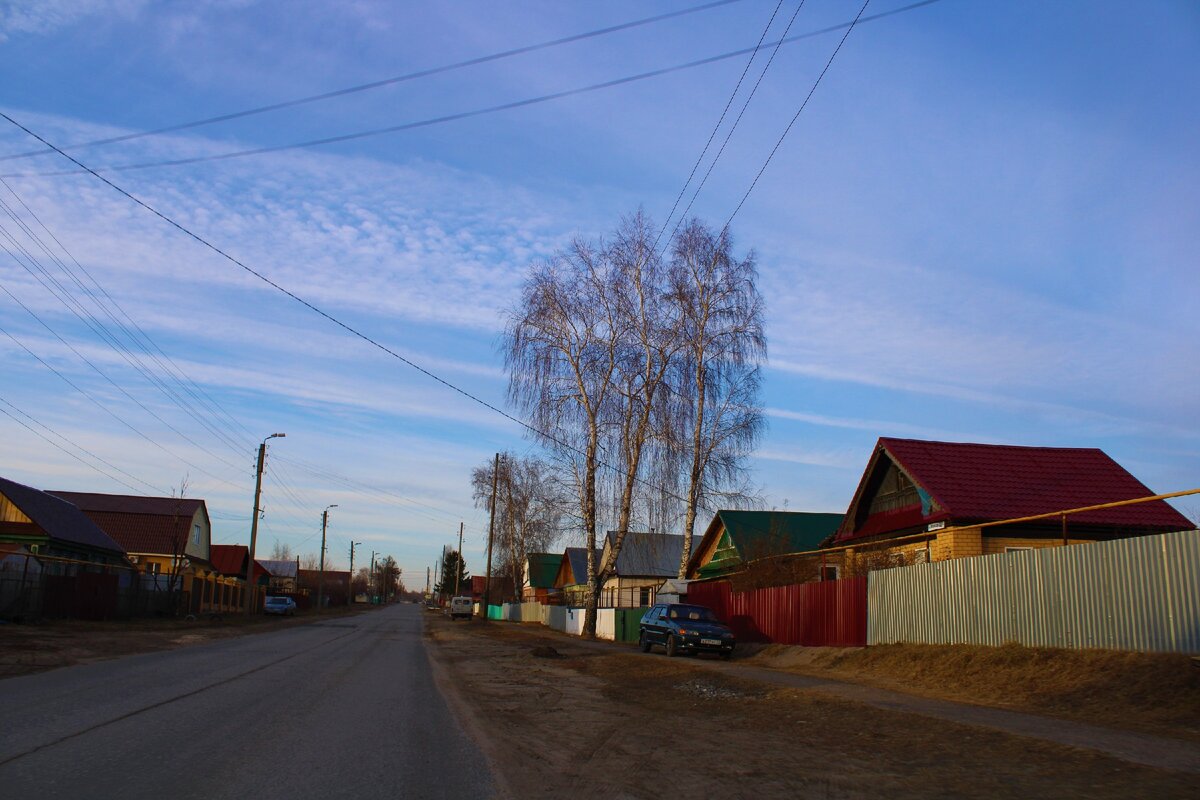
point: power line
(77, 446)
(720, 119)
(346, 137)
(89, 320)
(97, 326)
(796, 116)
(368, 339)
(108, 411)
(424, 73)
(732, 128)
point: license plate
(710, 641)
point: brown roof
(158, 525)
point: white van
(461, 607)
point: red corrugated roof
(159, 525)
(986, 482)
(229, 559)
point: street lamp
(321, 579)
(262, 455)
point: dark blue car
(685, 628)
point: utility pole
(371, 577)
(487, 581)
(428, 575)
(458, 567)
(262, 456)
(321, 578)
(350, 599)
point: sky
(983, 226)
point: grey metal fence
(1129, 594)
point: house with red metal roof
(162, 535)
(924, 500)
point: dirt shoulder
(1151, 693)
(558, 716)
(29, 648)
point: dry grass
(1158, 693)
(597, 724)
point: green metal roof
(543, 568)
(750, 535)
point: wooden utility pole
(487, 581)
(458, 567)
(321, 577)
(262, 455)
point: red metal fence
(823, 614)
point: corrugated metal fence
(823, 614)
(1128, 594)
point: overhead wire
(796, 116)
(33, 266)
(721, 119)
(379, 345)
(729, 133)
(445, 118)
(423, 73)
(77, 446)
(111, 413)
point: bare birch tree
(718, 413)
(649, 345)
(529, 508)
(560, 349)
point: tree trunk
(589, 524)
(689, 520)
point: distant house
(644, 562)
(334, 587)
(56, 529)
(223, 587)
(923, 500)
(284, 574)
(736, 538)
(540, 571)
(571, 578)
(501, 590)
(162, 535)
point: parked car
(461, 608)
(685, 628)
(284, 606)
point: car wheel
(643, 642)
(672, 646)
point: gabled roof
(58, 518)
(736, 537)
(159, 525)
(285, 568)
(542, 567)
(230, 559)
(573, 567)
(971, 483)
(647, 555)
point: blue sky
(983, 227)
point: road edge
(465, 714)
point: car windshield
(692, 614)
(277, 601)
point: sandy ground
(1156, 693)
(25, 649)
(559, 717)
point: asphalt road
(343, 708)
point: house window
(196, 534)
(829, 573)
(1017, 549)
(644, 596)
(152, 567)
